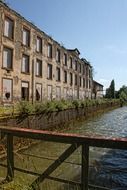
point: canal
(108, 167)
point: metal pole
(85, 167)
(10, 158)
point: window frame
(40, 72)
(41, 91)
(65, 59)
(49, 50)
(65, 76)
(29, 37)
(6, 17)
(40, 45)
(58, 55)
(58, 74)
(24, 72)
(49, 76)
(22, 81)
(12, 52)
(71, 78)
(71, 62)
(3, 78)
(76, 80)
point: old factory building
(35, 67)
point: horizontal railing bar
(54, 178)
(95, 141)
(26, 171)
(64, 181)
(49, 177)
(49, 158)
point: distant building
(97, 90)
(35, 67)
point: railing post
(10, 158)
(85, 167)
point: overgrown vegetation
(26, 108)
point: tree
(123, 98)
(110, 92)
(122, 89)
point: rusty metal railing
(75, 142)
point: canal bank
(50, 119)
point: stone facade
(33, 66)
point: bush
(76, 104)
(25, 108)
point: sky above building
(98, 28)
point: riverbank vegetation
(26, 108)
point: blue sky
(98, 28)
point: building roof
(97, 83)
(75, 51)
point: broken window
(80, 81)
(76, 65)
(65, 59)
(8, 27)
(49, 74)
(38, 68)
(49, 89)
(58, 55)
(39, 45)
(57, 73)
(49, 50)
(84, 83)
(71, 62)
(7, 58)
(25, 90)
(25, 63)
(76, 80)
(71, 79)
(38, 92)
(7, 90)
(26, 37)
(65, 76)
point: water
(108, 167)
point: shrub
(25, 108)
(76, 104)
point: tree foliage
(122, 89)
(110, 92)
